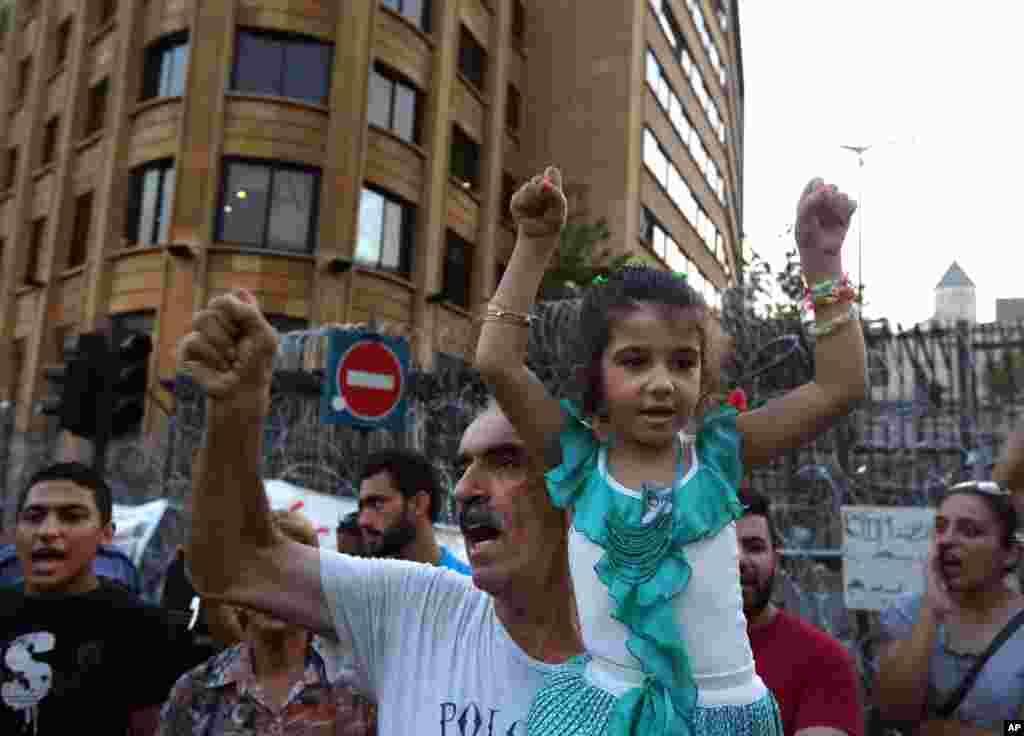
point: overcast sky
(935, 87)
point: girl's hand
(936, 594)
(539, 207)
(823, 217)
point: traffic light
(130, 366)
(78, 383)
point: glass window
(150, 197)
(37, 235)
(97, 110)
(282, 66)
(653, 69)
(49, 146)
(655, 158)
(416, 12)
(394, 105)
(291, 210)
(24, 77)
(62, 43)
(307, 71)
(465, 157)
(658, 241)
(78, 249)
(11, 168)
(458, 270)
(258, 63)
(512, 106)
(679, 119)
(472, 59)
(518, 21)
(386, 232)
(269, 205)
(648, 223)
(285, 323)
(165, 67)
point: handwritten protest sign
(884, 551)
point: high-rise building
(345, 161)
(955, 297)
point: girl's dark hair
(1000, 505)
(626, 289)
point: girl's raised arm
(840, 380)
(539, 209)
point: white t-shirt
(427, 645)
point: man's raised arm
(234, 553)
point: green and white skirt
(569, 704)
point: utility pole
(860, 151)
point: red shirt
(811, 675)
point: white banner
(134, 527)
(884, 552)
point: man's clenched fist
(230, 351)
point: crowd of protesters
(579, 611)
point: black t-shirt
(80, 664)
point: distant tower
(954, 297)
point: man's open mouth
(477, 534)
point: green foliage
(1005, 378)
(6, 10)
(579, 260)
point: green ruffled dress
(644, 568)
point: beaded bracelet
(829, 291)
(493, 314)
(826, 329)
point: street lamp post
(860, 151)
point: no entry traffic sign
(366, 380)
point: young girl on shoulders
(652, 547)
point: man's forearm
(230, 510)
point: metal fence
(942, 400)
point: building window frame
(150, 210)
(513, 109)
(457, 281)
(61, 44)
(36, 243)
(464, 158)
(96, 109)
(392, 207)
(24, 81)
(49, 142)
(163, 75)
(81, 231)
(286, 43)
(518, 29)
(274, 168)
(408, 10)
(397, 85)
(11, 167)
(472, 60)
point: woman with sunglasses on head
(952, 658)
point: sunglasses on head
(988, 487)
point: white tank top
(709, 614)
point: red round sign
(369, 380)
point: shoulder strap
(965, 685)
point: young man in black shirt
(75, 656)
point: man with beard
(440, 653)
(811, 674)
(399, 502)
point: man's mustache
(477, 513)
